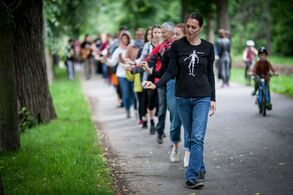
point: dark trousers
(162, 109)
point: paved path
(245, 153)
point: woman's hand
(146, 67)
(148, 85)
(103, 59)
(127, 67)
(212, 108)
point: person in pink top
(248, 57)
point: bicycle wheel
(259, 103)
(264, 104)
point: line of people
(168, 67)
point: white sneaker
(186, 159)
(174, 156)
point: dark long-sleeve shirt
(193, 67)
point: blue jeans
(193, 113)
(162, 109)
(225, 69)
(127, 92)
(70, 69)
(175, 126)
(104, 71)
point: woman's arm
(210, 71)
(113, 61)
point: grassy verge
(275, 60)
(281, 84)
(61, 157)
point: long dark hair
(156, 26)
(146, 34)
(127, 35)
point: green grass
(61, 157)
(275, 60)
(282, 84)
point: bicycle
(262, 97)
(247, 76)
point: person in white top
(126, 86)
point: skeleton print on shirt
(193, 59)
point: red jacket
(154, 58)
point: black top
(193, 67)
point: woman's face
(139, 35)
(124, 40)
(157, 34)
(178, 33)
(192, 28)
(166, 34)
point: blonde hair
(182, 27)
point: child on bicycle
(262, 69)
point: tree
(206, 9)
(281, 22)
(9, 132)
(222, 14)
(30, 67)
(143, 13)
(266, 21)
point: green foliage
(245, 20)
(248, 22)
(143, 13)
(282, 32)
(26, 119)
(62, 157)
(74, 18)
(67, 19)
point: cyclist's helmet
(250, 43)
(263, 50)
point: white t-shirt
(120, 71)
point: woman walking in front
(191, 60)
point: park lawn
(62, 157)
(282, 84)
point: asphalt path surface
(245, 153)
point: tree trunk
(211, 35)
(223, 16)
(31, 76)
(48, 57)
(187, 7)
(266, 17)
(9, 132)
